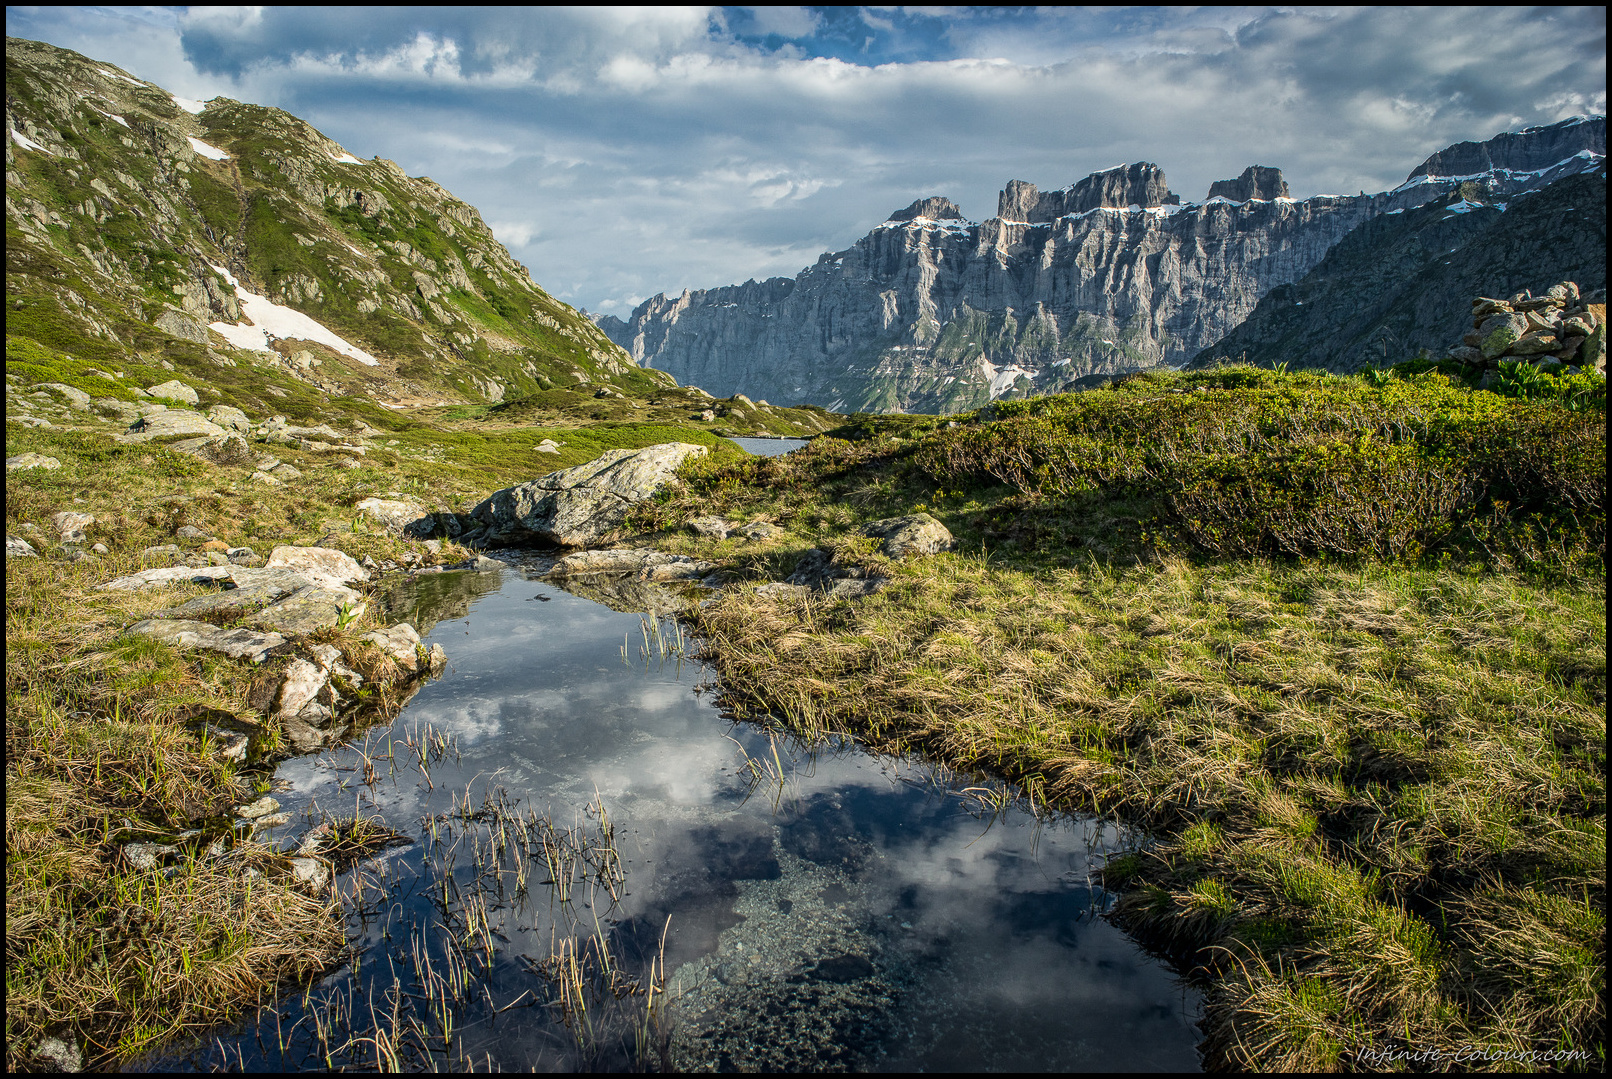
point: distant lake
(769, 447)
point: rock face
(1111, 274)
(936, 209)
(1528, 150)
(1141, 185)
(1403, 282)
(1256, 182)
(576, 507)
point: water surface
(820, 908)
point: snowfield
(270, 320)
(207, 150)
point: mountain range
(930, 312)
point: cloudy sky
(620, 153)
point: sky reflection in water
(863, 914)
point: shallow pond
(800, 908)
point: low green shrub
(1244, 461)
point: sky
(621, 152)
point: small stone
(31, 460)
(273, 820)
(401, 642)
(267, 480)
(312, 873)
(175, 390)
(230, 745)
(147, 855)
(17, 547)
(286, 472)
(101, 548)
(714, 527)
(190, 532)
(60, 1054)
(914, 534)
(260, 808)
(70, 526)
(302, 684)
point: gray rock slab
(17, 547)
(75, 397)
(247, 598)
(31, 460)
(228, 417)
(191, 635)
(304, 611)
(228, 449)
(160, 578)
(323, 566)
(172, 422)
(175, 390)
(641, 563)
(576, 507)
(394, 515)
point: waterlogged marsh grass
(1369, 735)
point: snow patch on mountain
(207, 150)
(271, 320)
(28, 144)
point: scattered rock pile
(1557, 326)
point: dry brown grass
(1344, 769)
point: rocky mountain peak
(1139, 184)
(935, 208)
(1256, 182)
(1528, 150)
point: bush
(1247, 461)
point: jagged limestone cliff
(1398, 285)
(1528, 210)
(139, 223)
(932, 313)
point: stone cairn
(1558, 326)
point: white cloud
(659, 152)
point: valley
(1280, 676)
